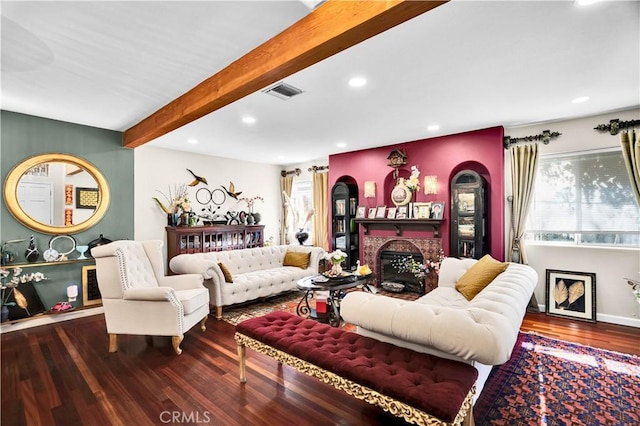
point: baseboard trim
(50, 319)
(611, 319)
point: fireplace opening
(389, 273)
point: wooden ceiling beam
(332, 27)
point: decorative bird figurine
(231, 191)
(198, 179)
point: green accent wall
(23, 136)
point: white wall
(615, 302)
(157, 169)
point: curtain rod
(616, 125)
(295, 171)
(318, 168)
(545, 137)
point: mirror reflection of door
(41, 193)
(35, 198)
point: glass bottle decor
(32, 254)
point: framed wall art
(87, 198)
(571, 295)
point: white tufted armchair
(139, 299)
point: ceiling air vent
(283, 91)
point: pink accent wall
(480, 150)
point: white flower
(336, 257)
(15, 281)
(413, 183)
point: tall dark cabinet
(468, 215)
(344, 232)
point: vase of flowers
(177, 207)
(336, 258)
(10, 279)
(413, 183)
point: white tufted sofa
(139, 299)
(257, 272)
(481, 332)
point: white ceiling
(465, 65)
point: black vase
(302, 236)
(32, 254)
(97, 242)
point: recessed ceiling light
(580, 100)
(192, 141)
(433, 128)
(247, 119)
(586, 2)
(341, 145)
(357, 82)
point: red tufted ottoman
(421, 388)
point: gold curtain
(286, 183)
(321, 207)
(524, 166)
(631, 154)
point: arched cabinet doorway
(468, 215)
(344, 231)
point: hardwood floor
(62, 374)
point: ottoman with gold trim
(421, 388)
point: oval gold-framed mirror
(76, 188)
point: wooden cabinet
(344, 232)
(468, 215)
(204, 239)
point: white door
(36, 199)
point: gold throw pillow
(295, 258)
(227, 275)
(479, 276)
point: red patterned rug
(553, 382)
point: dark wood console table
(401, 224)
(203, 239)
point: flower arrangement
(420, 270)
(12, 286)
(301, 215)
(413, 183)
(336, 257)
(177, 201)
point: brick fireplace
(375, 245)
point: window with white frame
(584, 198)
(302, 200)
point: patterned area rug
(546, 381)
(553, 382)
(286, 302)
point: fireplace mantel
(400, 224)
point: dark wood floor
(62, 374)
